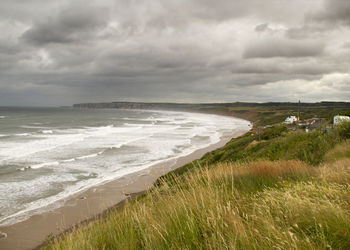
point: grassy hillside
(278, 143)
(290, 190)
(274, 112)
(260, 205)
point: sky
(61, 52)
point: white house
(340, 118)
(291, 119)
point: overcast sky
(62, 52)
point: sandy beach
(33, 232)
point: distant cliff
(140, 105)
(209, 108)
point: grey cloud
(346, 45)
(74, 23)
(332, 15)
(269, 10)
(262, 27)
(6, 47)
(334, 12)
(282, 66)
(157, 50)
(307, 31)
(222, 9)
(283, 48)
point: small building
(312, 124)
(291, 119)
(340, 118)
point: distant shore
(90, 204)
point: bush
(273, 132)
(343, 130)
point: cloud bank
(64, 52)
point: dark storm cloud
(63, 52)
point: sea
(49, 154)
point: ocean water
(48, 154)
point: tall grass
(259, 205)
(289, 191)
(340, 151)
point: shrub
(343, 130)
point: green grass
(341, 151)
(276, 143)
(260, 205)
(273, 113)
(291, 190)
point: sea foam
(61, 161)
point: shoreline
(95, 201)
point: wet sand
(87, 205)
